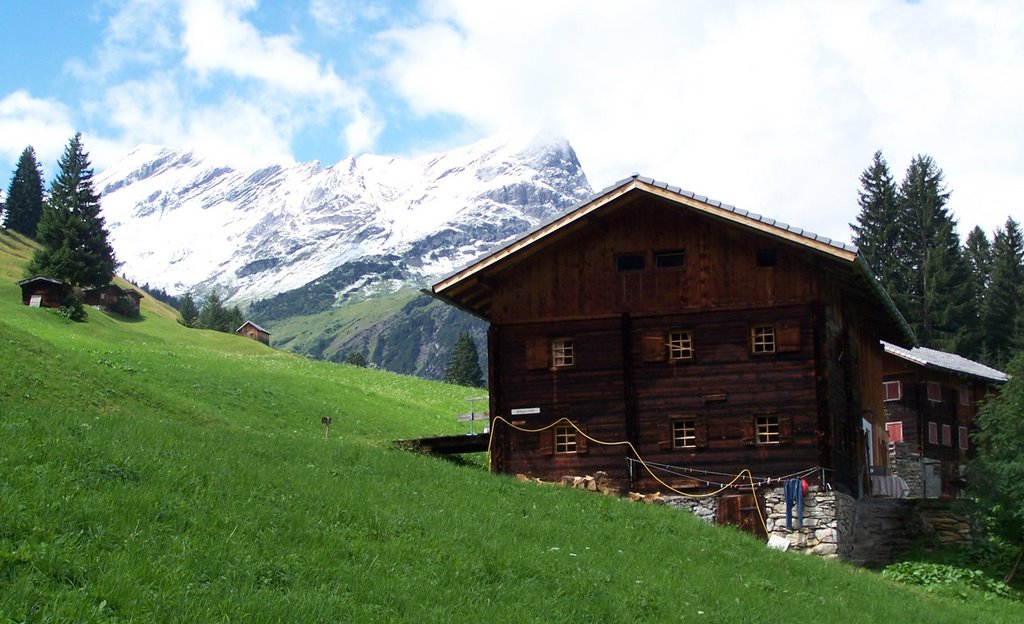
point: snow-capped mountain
(180, 221)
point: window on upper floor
(934, 391)
(762, 339)
(767, 429)
(670, 259)
(947, 435)
(893, 390)
(563, 353)
(933, 433)
(965, 395)
(680, 345)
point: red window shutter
(895, 431)
(787, 337)
(947, 435)
(963, 438)
(933, 433)
(538, 349)
(654, 348)
(934, 391)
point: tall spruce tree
(24, 205)
(949, 298)
(464, 365)
(922, 216)
(71, 230)
(877, 231)
(1003, 314)
(213, 314)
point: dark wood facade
(105, 297)
(668, 305)
(931, 408)
(254, 331)
(43, 292)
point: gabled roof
(41, 278)
(950, 362)
(468, 287)
(257, 327)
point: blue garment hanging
(794, 493)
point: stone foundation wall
(828, 520)
(827, 527)
(704, 508)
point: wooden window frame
(684, 433)
(680, 345)
(891, 428)
(762, 339)
(563, 352)
(935, 397)
(767, 430)
(947, 435)
(963, 438)
(933, 432)
(886, 385)
(565, 440)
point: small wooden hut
(254, 331)
(43, 292)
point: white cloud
(43, 124)
(775, 107)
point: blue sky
(774, 107)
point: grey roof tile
(947, 361)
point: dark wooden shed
(105, 297)
(254, 331)
(708, 337)
(43, 292)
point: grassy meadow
(151, 473)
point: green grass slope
(150, 473)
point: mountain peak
(180, 221)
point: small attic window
(670, 259)
(630, 262)
(767, 257)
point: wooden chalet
(710, 338)
(105, 297)
(254, 331)
(43, 292)
(931, 400)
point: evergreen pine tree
(71, 230)
(355, 358)
(24, 204)
(978, 251)
(213, 315)
(188, 310)
(922, 218)
(877, 231)
(1003, 313)
(464, 365)
(234, 319)
(950, 296)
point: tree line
(960, 298)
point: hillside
(155, 473)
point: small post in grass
(326, 420)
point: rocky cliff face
(284, 241)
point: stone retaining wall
(827, 527)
